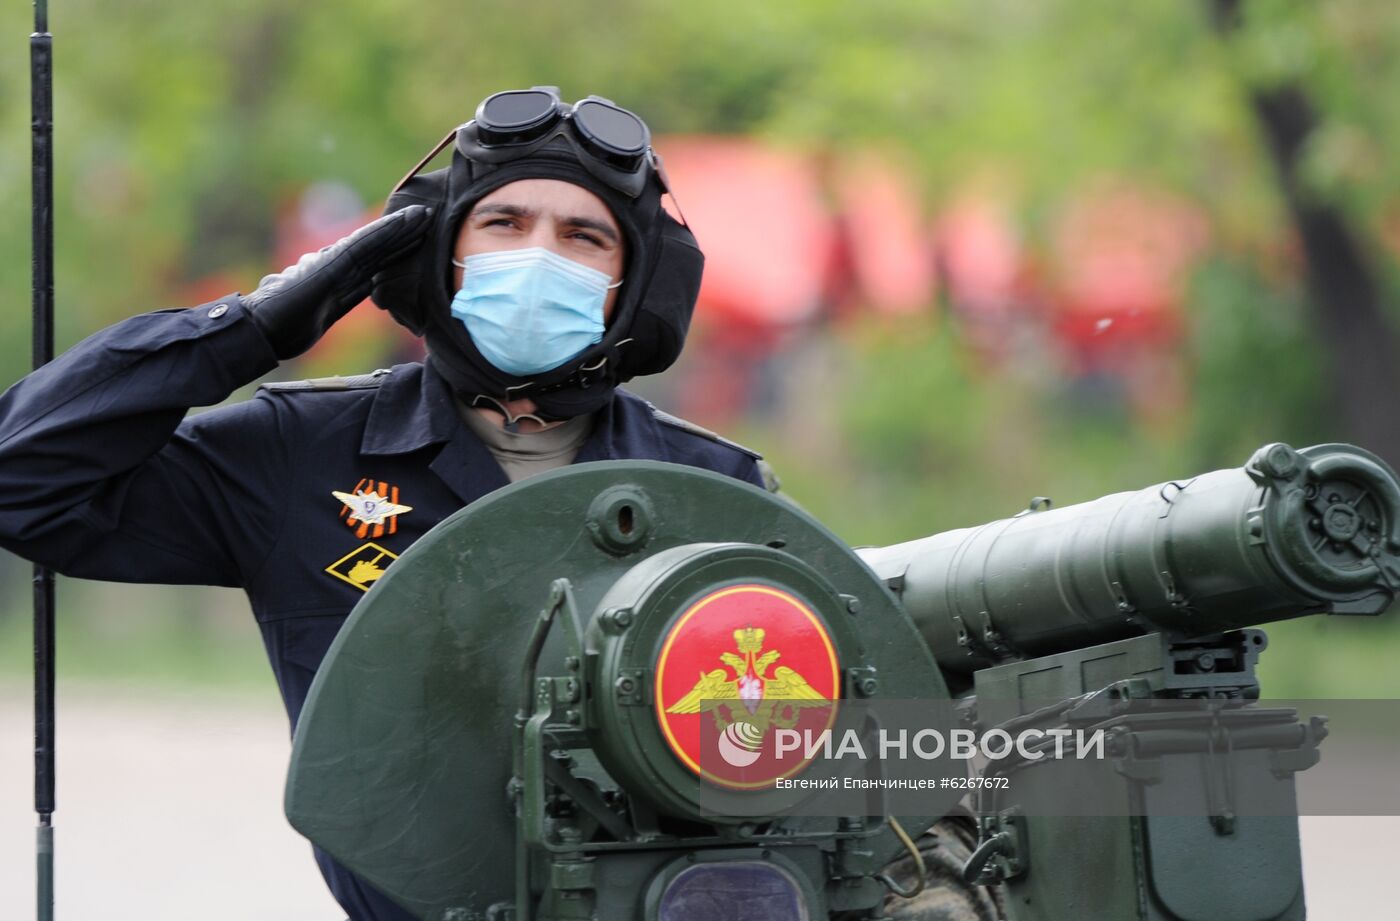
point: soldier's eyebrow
(507, 209)
(588, 223)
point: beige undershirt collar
(524, 454)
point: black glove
(296, 306)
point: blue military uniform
(301, 496)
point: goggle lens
(516, 116)
(615, 130)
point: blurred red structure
(984, 270)
(789, 237)
(888, 242)
(1121, 254)
(758, 214)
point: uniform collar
(412, 409)
(600, 444)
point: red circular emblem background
(780, 670)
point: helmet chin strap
(587, 388)
(512, 421)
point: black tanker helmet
(530, 134)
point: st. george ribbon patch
(739, 664)
(372, 509)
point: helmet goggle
(520, 117)
(613, 144)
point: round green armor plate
(402, 757)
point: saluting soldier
(542, 272)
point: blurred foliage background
(1241, 151)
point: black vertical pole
(41, 81)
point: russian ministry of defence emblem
(738, 665)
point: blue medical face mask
(530, 310)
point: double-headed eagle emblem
(751, 696)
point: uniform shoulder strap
(770, 478)
(353, 382)
(676, 422)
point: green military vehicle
(570, 701)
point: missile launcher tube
(1290, 533)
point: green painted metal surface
(403, 756)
